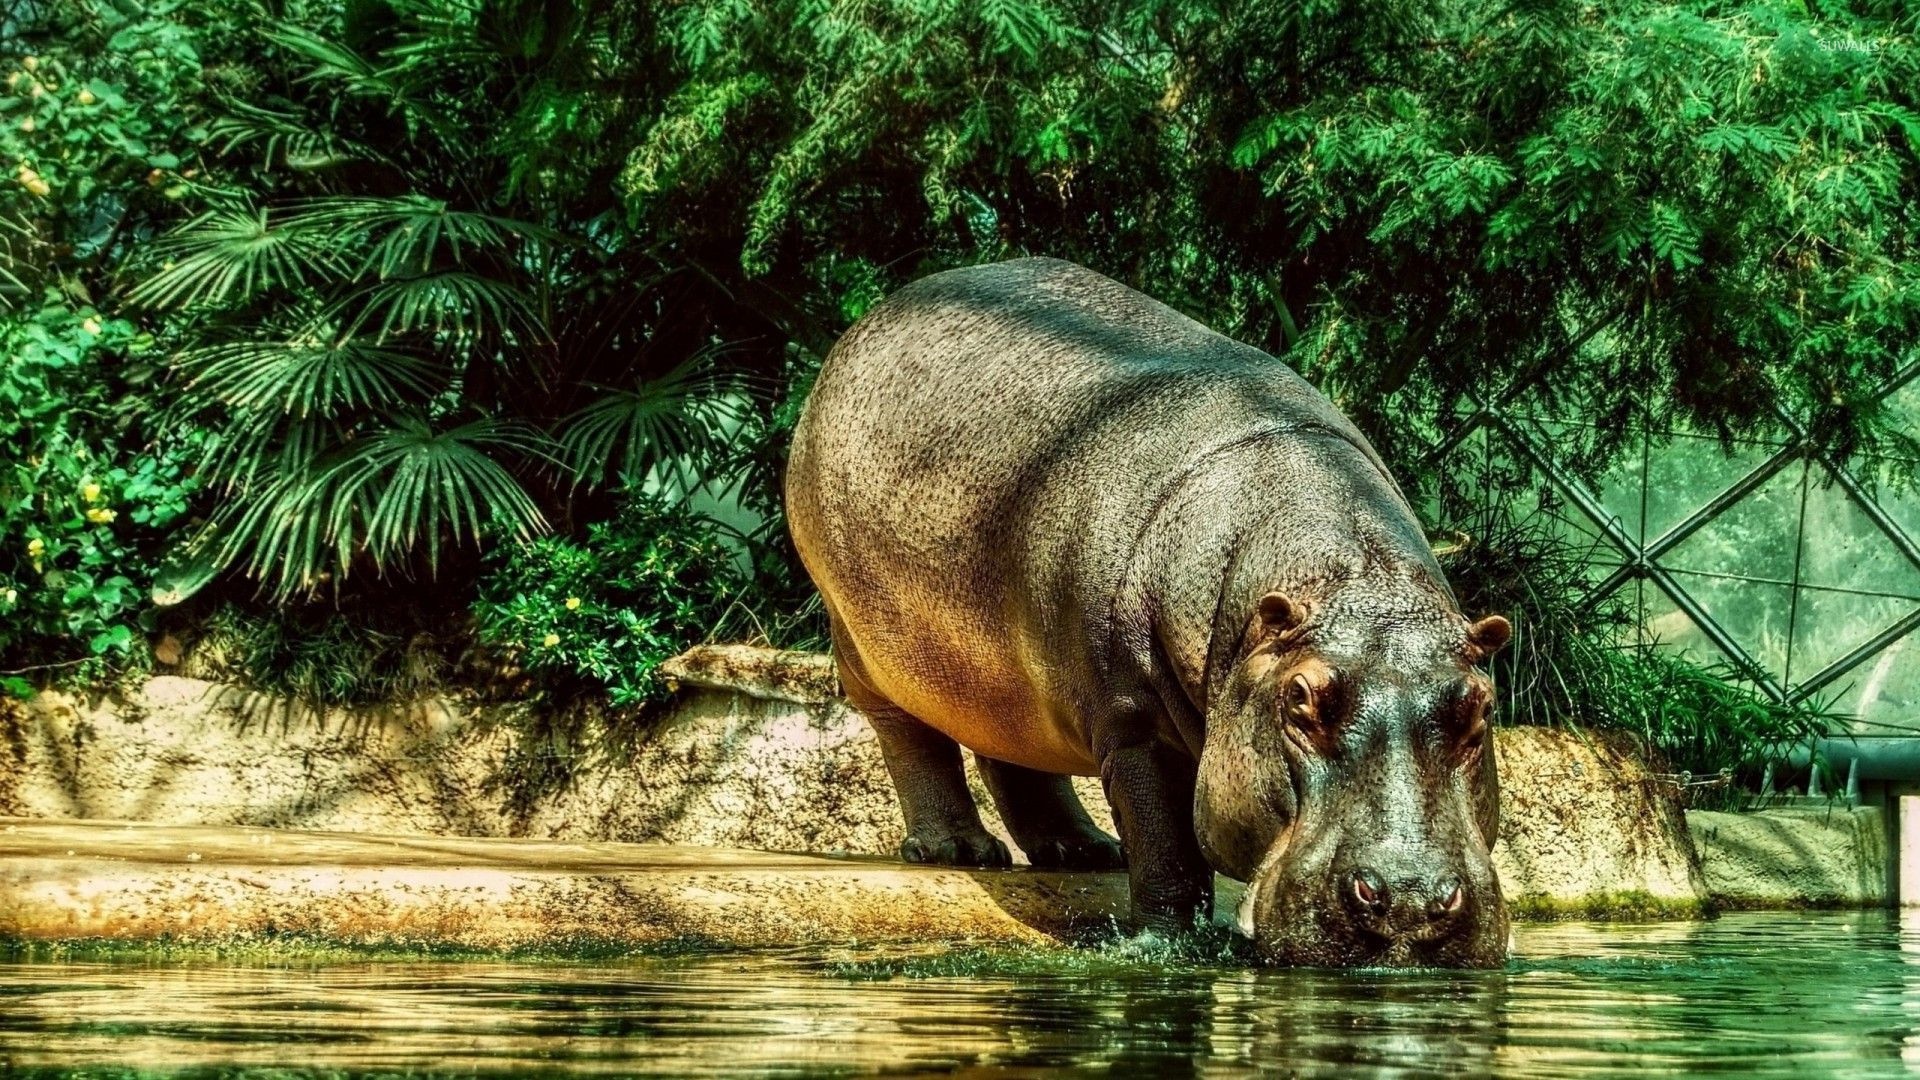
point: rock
(802, 678)
(1588, 831)
(187, 752)
(771, 762)
(1794, 856)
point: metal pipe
(1865, 759)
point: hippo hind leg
(943, 824)
(1047, 820)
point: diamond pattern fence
(1772, 558)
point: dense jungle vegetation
(370, 344)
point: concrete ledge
(1793, 857)
(756, 754)
(63, 881)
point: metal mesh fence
(1771, 557)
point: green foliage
(1574, 207)
(608, 609)
(92, 134)
(402, 285)
(321, 657)
(85, 511)
(387, 377)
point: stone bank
(756, 756)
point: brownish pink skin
(1044, 510)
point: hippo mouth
(1295, 917)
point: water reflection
(1778, 994)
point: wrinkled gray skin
(1074, 531)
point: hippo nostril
(1369, 891)
(1448, 902)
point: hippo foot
(960, 849)
(1077, 853)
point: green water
(1749, 995)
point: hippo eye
(1299, 703)
(1470, 711)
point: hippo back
(976, 473)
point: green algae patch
(1213, 949)
(1625, 905)
(1798, 903)
(309, 948)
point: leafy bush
(94, 126)
(401, 342)
(86, 513)
(323, 657)
(608, 609)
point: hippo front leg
(1150, 786)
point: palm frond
(456, 302)
(410, 234)
(306, 377)
(360, 77)
(246, 454)
(453, 35)
(670, 426)
(232, 256)
(278, 533)
(282, 137)
(333, 61)
(384, 497)
(389, 492)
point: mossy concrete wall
(757, 754)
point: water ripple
(1748, 995)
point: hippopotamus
(1066, 527)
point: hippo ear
(1489, 635)
(1278, 613)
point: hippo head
(1348, 778)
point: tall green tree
(473, 223)
(427, 276)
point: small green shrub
(607, 609)
(324, 657)
(85, 507)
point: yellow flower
(90, 491)
(573, 603)
(28, 125)
(100, 516)
(10, 595)
(91, 325)
(36, 546)
(550, 640)
(31, 63)
(85, 96)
